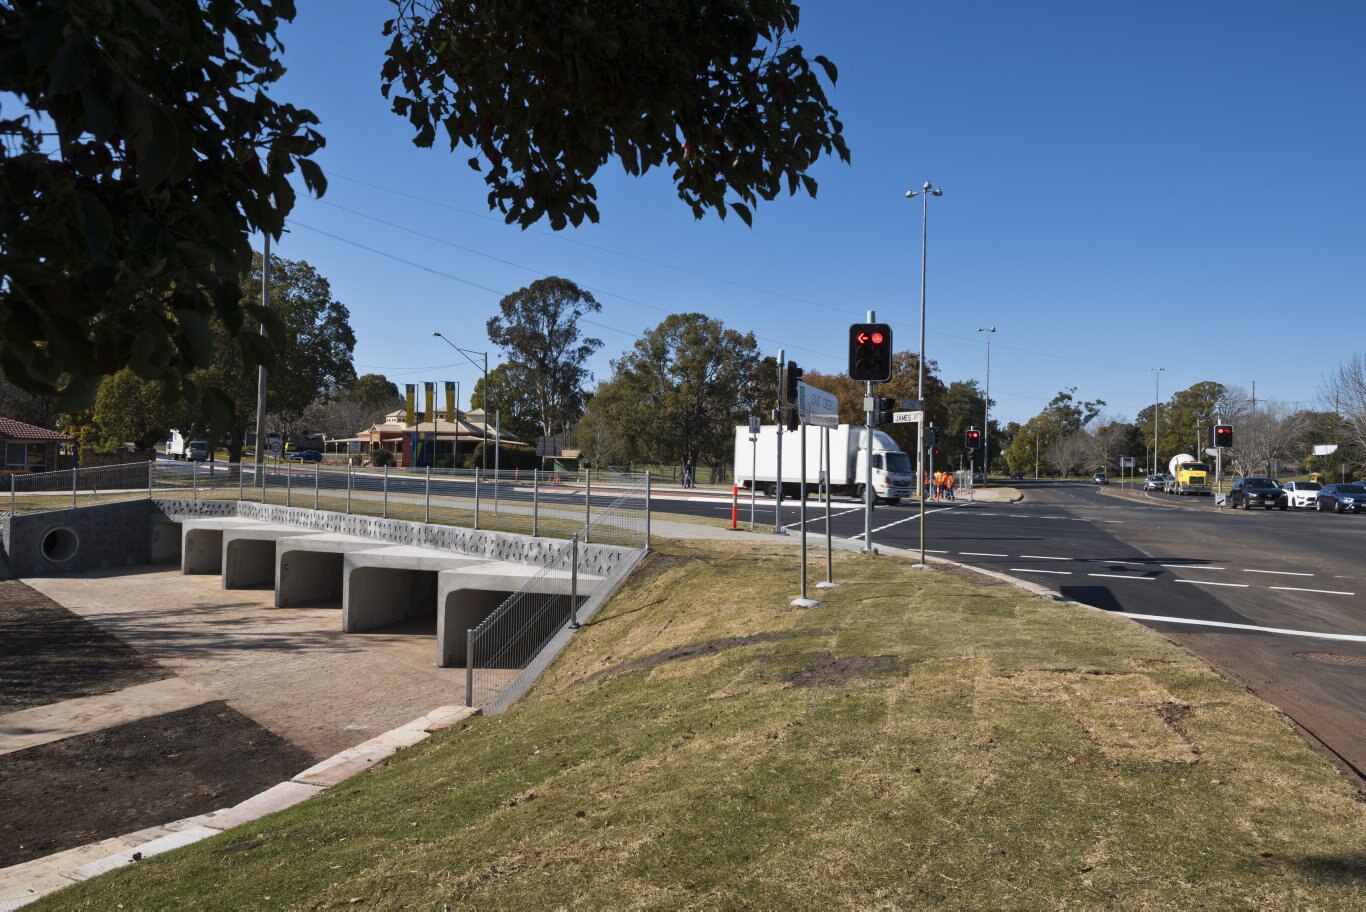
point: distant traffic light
(870, 352)
(1223, 435)
(931, 436)
(935, 452)
(794, 373)
(883, 408)
(972, 439)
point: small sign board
(816, 406)
(912, 405)
(1127, 462)
(1219, 499)
(907, 417)
(754, 425)
(1325, 449)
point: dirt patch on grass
(49, 654)
(684, 653)
(68, 793)
(825, 670)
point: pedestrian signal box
(870, 352)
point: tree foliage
(315, 341)
(129, 409)
(539, 328)
(545, 92)
(682, 389)
(124, 231)
(1063, 417)
(508, 396)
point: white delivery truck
(893, 474)
(177, 447)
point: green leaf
(830, 71)
(742, 210)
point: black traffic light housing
(870, 352)
(931, 436)
(972, 439)
(1221, 435)
(883, 407)
(936, 452)
(794, 373)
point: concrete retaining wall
(71, 541)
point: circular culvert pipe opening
(60, 544)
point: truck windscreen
(898, 463)
(1194, 467)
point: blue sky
(1126, 186)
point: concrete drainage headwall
(97, 537)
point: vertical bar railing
(317, 473)
(427, 498)
(647, 511)
(535, 502)
(151, 470)
(73, 489)
(587, 502)
(289, 485)
(385, 509)
(348, 487)
(476, 498)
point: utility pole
(261, 372)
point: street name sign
(907, 417)
(816, 406)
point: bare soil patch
(119, 780)
(49, 654)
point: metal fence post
(427, 499)
(194, 481)
(11, 495)
(289, 485)
(574, 581)
(535, 502)
(317, 473)
(469, 667)
(587, 504)
(647, 511)
(348, 486)
(385, 508)
(476, 498)
(241, 484)
(151, 470)
(73, 488)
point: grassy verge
(920, 740)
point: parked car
(1100, 478)
(1017, 476)
(1256, 491)
(1341, 497)
(306, 456)
(1154, 482)
(1301, 493)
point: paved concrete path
(55, 721)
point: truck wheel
(860, 492)
(771, 489)
(892, 500)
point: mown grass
(920, 740)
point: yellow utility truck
(1185, 475)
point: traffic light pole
(868, 461)
(778, 418)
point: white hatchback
(1301, 493)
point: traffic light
(870, 352)
(883, 407)
(935, 452)
(931, 436)
(794, 373)
(1223, 435)
(972, 439)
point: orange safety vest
(948, 480)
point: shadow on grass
(1348, 868)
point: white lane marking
(1192, 567)
(1052, 572)
(1348, 637)
(821, 517)
(1279, 573)
(1142, 579)
(934, 551)
(1044, 557)
(982, 554)
(906, 520)
(1320, 591)
(1209, 583)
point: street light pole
(1157, 377)
(926, 191)
(484, 452)
(986, 411)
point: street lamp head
(436, 333)
(927, 185)
(936, 191)
(987, 329)
(912, 193)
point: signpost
(908, 417)
(821, 409)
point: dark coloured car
(1100, 478)
(1017, 476)
(1257, 492)
(1342, 498)
(306, 456)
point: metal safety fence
(530, 502)
(510, 647)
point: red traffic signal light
(1223, 435)
(972, 439)
(870, 352)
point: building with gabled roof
(29, 448)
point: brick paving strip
(27, 882)
(25, 728)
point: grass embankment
(921, 739)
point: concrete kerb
(28, 882)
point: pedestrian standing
(687, 473)
(948, 485)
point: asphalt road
(1277, 600)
